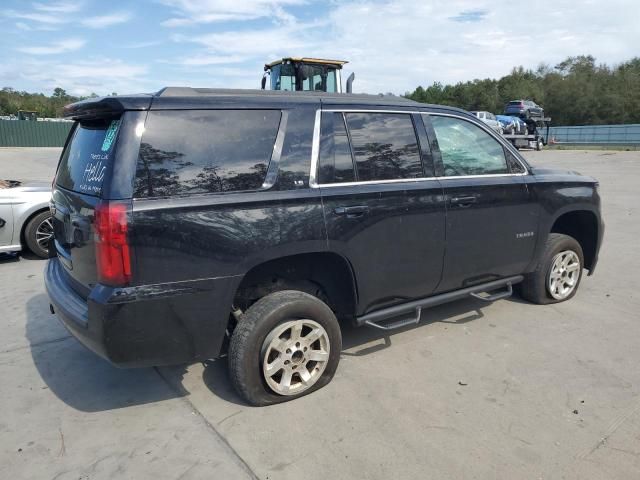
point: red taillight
(112, 248)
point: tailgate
(84, 164)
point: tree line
(46, 106)
(576, 91)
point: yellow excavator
(302, 74)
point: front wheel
(286, 345)
(558, 274)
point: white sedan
(25, 220)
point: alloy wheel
(564, 274)
(44, 232)
(294, 356)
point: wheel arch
(583, 225)
(329, 271)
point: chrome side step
(373, 319)
(495, 296)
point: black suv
(194, 222)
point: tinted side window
(205, 151)
(467, 149)
(336, 162)
(384, 145)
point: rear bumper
(145, 326)
(71, 309)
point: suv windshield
(87, 156)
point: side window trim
(315, 150)
(482, 126)
(353, 158)
(435, 151)
(274, 162)
(425, 146)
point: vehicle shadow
(88, 383)
(457, 313)
(9, 258)
(79, 377)
(12, 257)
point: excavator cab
(298, 74)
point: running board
(373, 319)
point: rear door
(491, 215)
(383, 208)
(85, 164)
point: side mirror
(263, 83)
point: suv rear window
(205, 151)
(88, 155)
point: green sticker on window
(110, 135)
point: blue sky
(87, 46)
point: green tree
(576, 91)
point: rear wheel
(286, 345)
(558, 275)
(37, 234)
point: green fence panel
(22, 133)
(596, 134)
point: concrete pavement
(508, 390)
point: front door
(384, 211)
(491, 216)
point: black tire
(534, 287)
(539, 144)
(30, 234)
(257, 323)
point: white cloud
(103, 21)
(394, 46)
(150, 43)
(202, 60)
(103, 76)
(48, 18)
(45, 16)
(54, 48)
(209, 11)
(59, 7)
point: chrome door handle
(463, 201)
(351, 212)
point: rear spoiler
(106, 106)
